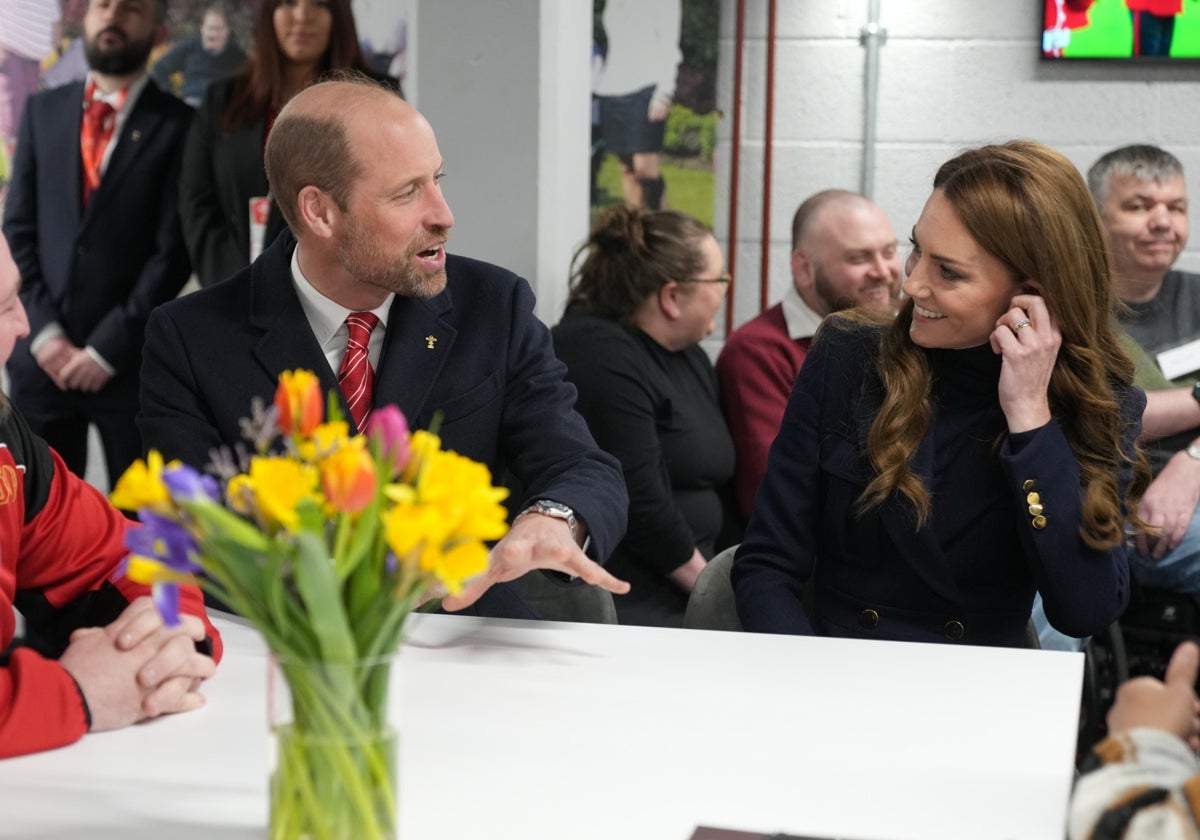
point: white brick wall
(953, 73)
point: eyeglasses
(724, 278)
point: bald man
(844, 254)
(357, 174)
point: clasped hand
(71, 368)
(137, 667)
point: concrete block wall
(952, 74)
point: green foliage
(689, 189)
(690, 134)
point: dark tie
(94, 136)
(355, 378)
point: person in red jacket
(95, 655)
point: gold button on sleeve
(1029, 485)
(1039, 522)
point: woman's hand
(1027, 338)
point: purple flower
(187, 484)
(388, 429)
(165, 540)
(165, 595)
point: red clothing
(60, 541)
(1163, 8)
(757, 368)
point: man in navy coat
(91, 222)
(356, 173)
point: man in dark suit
(92, 224)
(356, 172)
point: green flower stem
(331, 710)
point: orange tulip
(298, 401)
(348, 478)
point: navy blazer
(475, 354)
(970, 574)
(97, 271)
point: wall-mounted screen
(1143, 30)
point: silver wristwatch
(548, 507)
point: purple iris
(187, 484)
(165, 595)
(165, 540)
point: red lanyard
(95, 132)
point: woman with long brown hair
(930, 475)
(224, 202)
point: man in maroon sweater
(95, 654)
(844, 254)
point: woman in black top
(223, 180)
(643, 297)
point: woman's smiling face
(958, 289)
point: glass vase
(334, 775)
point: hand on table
(534, 541)
(137, 667)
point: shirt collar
(125, 98)
(325, 316)
(801, 320)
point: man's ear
(802, 274)
(318, 211)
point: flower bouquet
(325, 548)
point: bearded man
(366, 296)
(92, 225)
(844, 254)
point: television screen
(1153, 30)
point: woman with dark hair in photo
(224, 207)
(930, 475)
(645, 290)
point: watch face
(555, 509)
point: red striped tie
(355, 378)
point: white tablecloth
(573, 732)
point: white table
(573, 732)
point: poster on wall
(41, 47)
(654, 117)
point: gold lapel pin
(430, 341)
(136, 135)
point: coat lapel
(139, 127)
(286, 340)
(919, 547)
(62, 144)
(415, 348)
